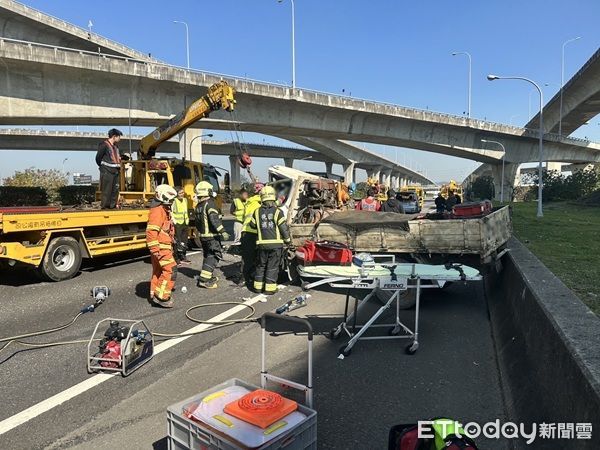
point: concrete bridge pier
(349, 173)
(386, 175)
(288, 162)
(512, 175)
(190, 144)
(234, 170)
(329, 169)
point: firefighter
(211, 232)
(272, 234)
(248, 239)
(238, 210)
(108, 159)
(181, 220)
(159, 237)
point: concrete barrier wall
(548, 346)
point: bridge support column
(394, 182)
(386, 175)
(289, 162)
(190, 144)
(234, 167)
(329, 169)
(349, 173)
(377, 174)
(512, 174)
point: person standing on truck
(440, 203)
(108, 159)
(450, 201)
(238, 210)
(211, 232)
(272, 234)
(392, 204)
(181, 220)
(369, 203)
(248, 239)
(159, 238)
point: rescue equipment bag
(324, 252)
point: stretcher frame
(391, 282)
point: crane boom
(219, 96)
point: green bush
(557, 187)
(76, 195)
(23, 196)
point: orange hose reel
(261, 408)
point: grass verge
(567, 241)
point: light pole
(468, 55)
(540, 211)
(562, 81)
(293, 42)
(196, 137)
(63, 166)
(502, 176)
(187, 40)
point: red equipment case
(472, 209)
(324, 252)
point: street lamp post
(293, 42)
(502, 176)
(187, 40)
(562, 81)
(540, 211)
(468, 55)
(196, 137)
(63, 166)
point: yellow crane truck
(55, 241)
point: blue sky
(392, 51)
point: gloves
(225, 236)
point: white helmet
(204, 189)
(165, 194)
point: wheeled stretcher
(398, 278)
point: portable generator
(124, 346)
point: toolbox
(472, 209)
(204, 420)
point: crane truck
(54, 241)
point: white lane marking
(58, 399)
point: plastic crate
(186, 434)
(473, 209)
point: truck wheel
(62, 259)
(406, 300)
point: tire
(406, 300)
(62, 259)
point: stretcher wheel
(344, 351)
(334, 333)
(411, 349)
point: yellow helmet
(267, 194)
(204, 189)
(165, 194)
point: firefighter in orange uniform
(159, 237)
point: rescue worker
(211, 232)
(159, 238)
(108, 159)
(440, 203)
(238, 210)
(272, 234)
(369, 203)
(392, 204)
(248, 239)
(181, 220)
(450, 201)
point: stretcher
(398, 278)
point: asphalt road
(453, 374)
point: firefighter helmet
(165, 194)
(204, 189)
(267, 194)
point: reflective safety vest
(208, 220)
(240, 210)
(179, 212)
(159, 230)
(270, 226)
(252, 205)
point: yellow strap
(152, 243)
(166, 262)
(165, 246)
(152, 227)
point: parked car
(409, 202)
